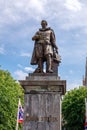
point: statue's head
(43, 23)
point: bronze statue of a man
(43, 48)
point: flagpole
(85, 109)
(85, 114)
(17, 116)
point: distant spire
(85, 78)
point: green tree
(9, 92)
(73, 108)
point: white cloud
(29, 69)
(36, 4)
(73, 5)
(2, 51)
(15, 11)
(20, 66)
(20, 75)
(67, 13)
(24, 54)
(74, 84)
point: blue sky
(20, 19)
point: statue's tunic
(44, 45)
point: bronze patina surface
(45, 49)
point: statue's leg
(39, 69)
(40, 65)
(49, 64)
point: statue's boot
(49, 64)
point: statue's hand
(36, 37)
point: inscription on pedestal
(41, 119)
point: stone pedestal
(42, 108)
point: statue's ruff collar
(42, 29)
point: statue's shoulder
(49, 29)
(52, 30)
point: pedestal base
(42, 102)
(42, 111)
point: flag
(85, 125)
(20, 112)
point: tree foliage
(9, 92)
(73, 108)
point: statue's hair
(43, 21)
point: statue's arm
(53, 40)
(35, 37)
